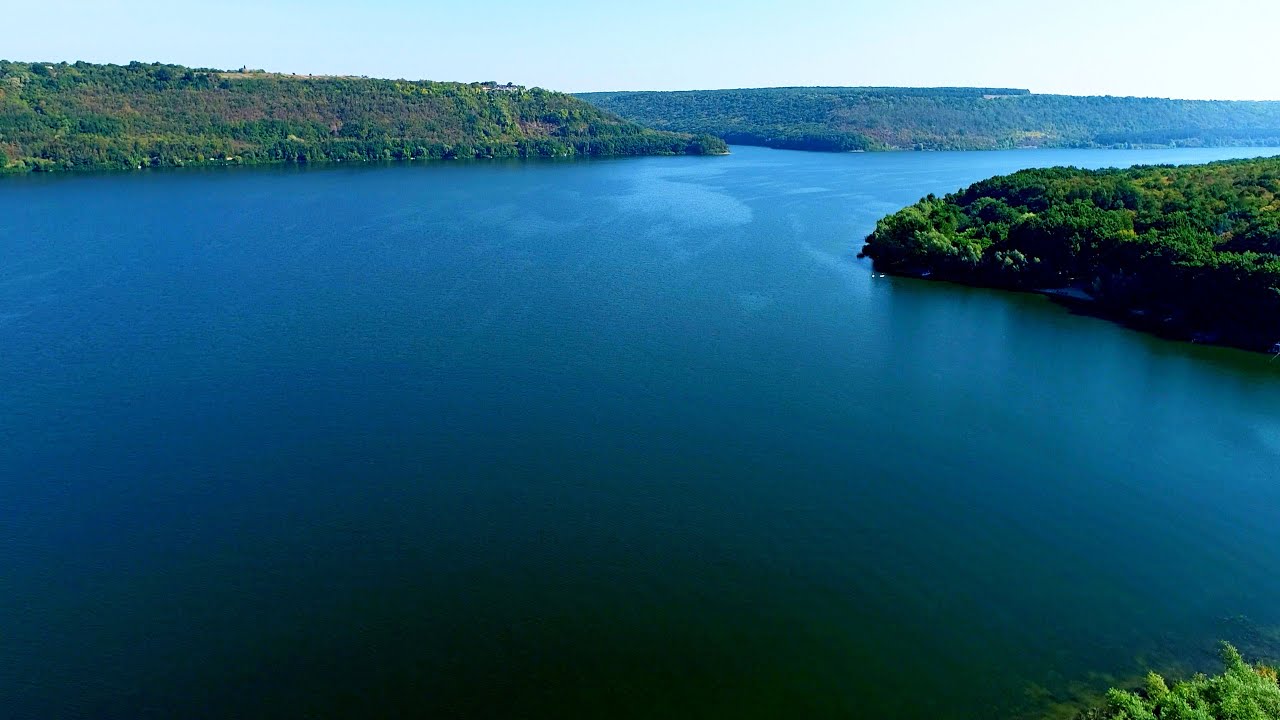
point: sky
(1205, 49)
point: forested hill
(844, 119)
(82, 115)
(1190, 251)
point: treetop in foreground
(1240, 692)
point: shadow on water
(1157, 339)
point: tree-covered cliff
(82, 115)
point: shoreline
(237, 163)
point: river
(610, 438)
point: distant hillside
(82, 115)
(844, 119)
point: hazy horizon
(271, 71)
(1122, 48)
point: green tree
(1240, 692)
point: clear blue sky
(1172, 48)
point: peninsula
(1190, 251)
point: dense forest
(82, 115)
(1241, 692)
(847, 119)
(1191, 251)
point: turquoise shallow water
(632, 438)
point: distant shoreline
(385, 162)
(1024, 148)
(841, 119)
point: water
(634, 438)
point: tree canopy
(82, 115)
(852, 118)
(1191, 250)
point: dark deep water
(633, 438)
